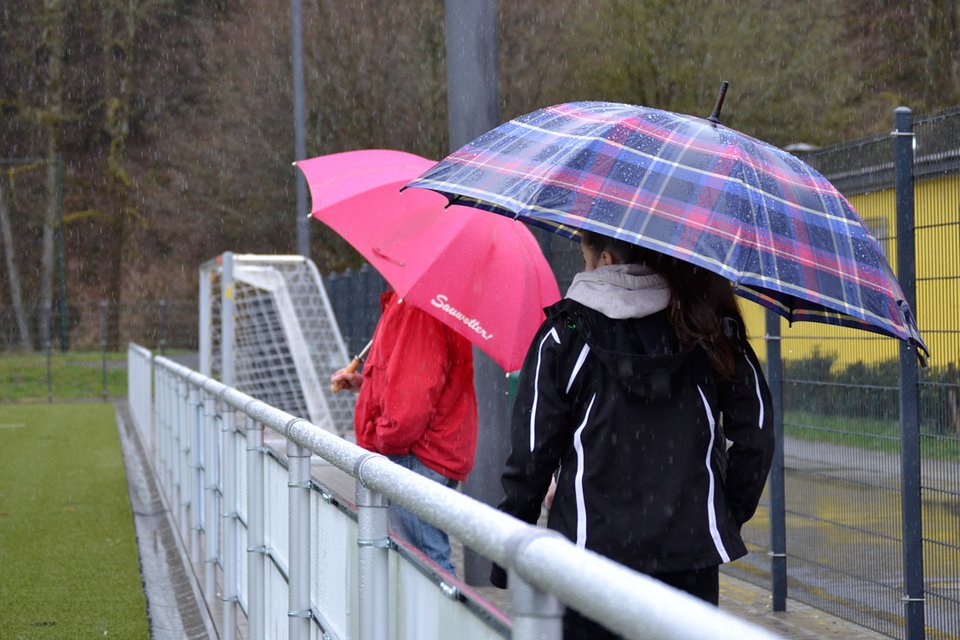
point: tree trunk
(51, 119)
(16, 301)
(120, 21)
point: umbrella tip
(715, 116)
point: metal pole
(183, 459)
(536, 615)
(256, 541)
(299, 540)
(211, 538)
(474, 107)
(196, 465)
(374, 544)
(777, 486)
(299, 129)
(104, 312)
(231, 558)
(226, 321)
(205, 328)
(163, 326)
(48, 345)
(912, 522)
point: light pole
(299, 133)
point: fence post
(104, 326)
(536, 615)
(231, 558)
(162, 343)
(777, 486)
(256, 542)
(912, 523)
(299, 611)
(374, 543)
(48, 345)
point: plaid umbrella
(693, 189)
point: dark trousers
(702, 583)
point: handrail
(627, 602)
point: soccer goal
(267, 328)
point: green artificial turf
(68, 558)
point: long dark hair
(702, 303)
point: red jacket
(417, 394)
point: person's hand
(548, 499)
(344, 379)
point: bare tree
(51, 118)
(120, 19)
(13, 276)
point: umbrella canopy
(693, 189)
(482, 275)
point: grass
(864, 433)
(68, 558)
(72, 376)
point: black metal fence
(92, 324)
(854, 542)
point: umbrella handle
(352, 367)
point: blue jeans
(433, 542)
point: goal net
(286, 342)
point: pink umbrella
(482, 275)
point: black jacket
(638, 429)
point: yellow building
(937, 211)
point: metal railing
(285, 557)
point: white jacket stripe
(536, 386)
(578, 485)
(711, 508)
(756, 385)
(576, 367)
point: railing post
(168, 444)
(777, 486)
(374, 543)
(911, 517)
(196, 466)
(299, 611)
(256, 540)
(231, 559)
(183, 466)
(536, 615)
(211, 538)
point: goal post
(266, 322)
